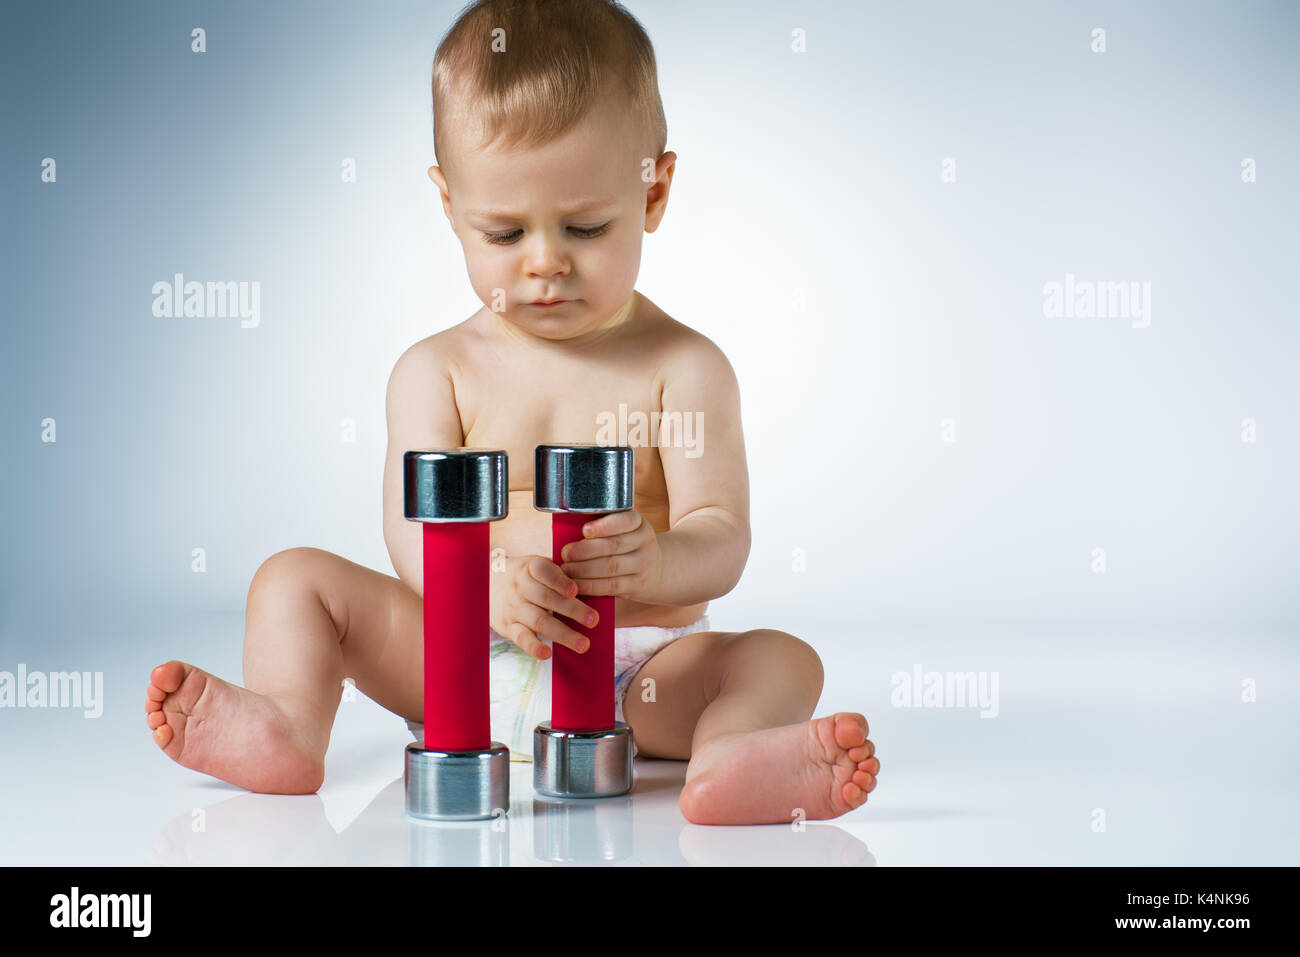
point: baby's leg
(312, 619)
(738, 705)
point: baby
(549, 135)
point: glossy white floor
(1106, 748)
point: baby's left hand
(619, 556)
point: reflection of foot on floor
(812, 771)
(231, 733)
(249, 829)
(815, 845)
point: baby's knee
(292, 567)
(805, 654)
(783, 647)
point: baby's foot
(823, 768)
(212, 726)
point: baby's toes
(163, 732)
(163, 735)
(167, 677)
(862, 752)
(153, 699)
(850, 730)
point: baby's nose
(546, 259)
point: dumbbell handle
(582, 685)
(456, 689)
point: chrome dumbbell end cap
(455, 485)
(457, 785)
(582, 764)
(583, 478)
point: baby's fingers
(551, 628)
(529, 642)
(546, 573)
(558, 593)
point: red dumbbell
(458, 772)
(582, 751)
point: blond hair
(529, 70)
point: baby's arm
(707, 544)
(422, 414)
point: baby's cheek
(616, 269)
(490, 287)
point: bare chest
(518, 406)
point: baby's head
(549, 136)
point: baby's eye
(505, 239)
(590, 232)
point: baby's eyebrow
(583, 206)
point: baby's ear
(657, 194)
(440, 181)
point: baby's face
(559, 221)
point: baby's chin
(556, 323)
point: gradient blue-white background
(861, 299)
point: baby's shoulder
(440, 352)
(679, 342)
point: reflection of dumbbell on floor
(582, 751)
(458, 772)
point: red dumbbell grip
(456, 691)
(582, 685)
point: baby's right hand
(523, 595)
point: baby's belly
(629, 613)
(527, 531)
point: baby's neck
(621, 315)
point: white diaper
(520, 685)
